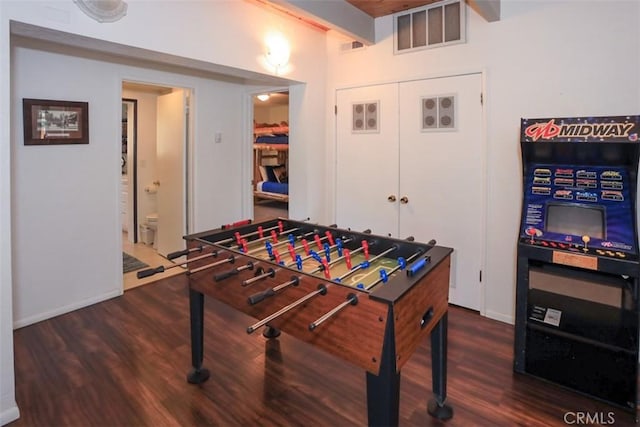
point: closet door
(441, 174)
(367, 159)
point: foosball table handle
(149, 272)
(236, 224)
(417, 266)
(178, 254)
(233, 272)
(225, 275)
(260, 296)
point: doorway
(270, 181)
(154, 175)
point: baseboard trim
(10, 414)
(501, 317)
(20, 323)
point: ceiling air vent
(430, 26)
(354, 45)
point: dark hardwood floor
(124, 362)
(264, 210)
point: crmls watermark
(586, 418)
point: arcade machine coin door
(577, 270)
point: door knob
(391, 198)
(404, 200)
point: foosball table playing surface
(367, 299)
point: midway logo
(550, 130)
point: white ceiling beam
(130, 55)
(488, 9)
(334, 14)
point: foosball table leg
(437, 407)
(270, 332)
(197, 374)
(383, 390)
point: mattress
(272, 139)
(273, 187)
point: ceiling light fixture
(263, 97)
(278, 51)
(103, 10)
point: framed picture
(48, 122)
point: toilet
(151, 222)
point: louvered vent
(430, 26)
(354, 45)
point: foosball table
(321, 284)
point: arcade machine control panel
(581, 209)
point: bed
(271, 162)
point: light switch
(218, 137)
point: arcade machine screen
(575, 220)
(586, 209)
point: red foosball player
(347, 257)
(327, 271)
(305, 245)
(365, 248)
(292, 252)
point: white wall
(65, 235)
(79, 202)
(542, 59)
(218, 170)
(274, 114)
(8, 408)
(65, 211)
(307, 153)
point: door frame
(482, 136)
(132, 170)
(247, 149)
(188, 148)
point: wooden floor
(123, 362)
(269, 209)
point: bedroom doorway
(270, 155)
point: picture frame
(51, 122)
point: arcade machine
(577, 269)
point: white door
(441, 174)
(170, 164)
(367, 159)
